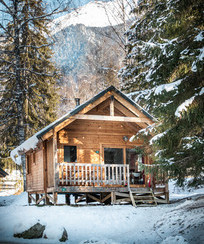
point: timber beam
(111, 118)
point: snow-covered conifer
(164, 72)
(28, 77)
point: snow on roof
(32, 142)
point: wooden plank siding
(90, 136)
(50, 165)
(34, 177)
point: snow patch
(168, 87)
(201, 55)
(115, 224)
(174, 240)
(157, 137)
(201, 91)
(199, 37)
(184, 106)
(93, 14)
(194, 67)
(132, 138)
(177, 192)
(96, 241)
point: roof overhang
(80, 113)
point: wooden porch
(104, 184)
(97, 175)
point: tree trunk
(19, 85)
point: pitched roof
(79, 108)
(32, 141)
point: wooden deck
(105, 184)
(83, 189)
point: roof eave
(80, 107)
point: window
(70, 154)
(28, 159)
(113, 155)
(34, 158)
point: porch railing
(76, 174)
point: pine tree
(28, 77)
(164, 71)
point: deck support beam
(113, 198)
(55, 198)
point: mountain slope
(93, 14)
(89, 49)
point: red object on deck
(149, 184)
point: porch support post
(128, 176)
(166, 189)
(55, 198)
(36, 197)
(87, 199)
(67, 199)
(29, 199)
(113, 198)
(56, 166)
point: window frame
(72, 145)
(122, 146)
(28, 163)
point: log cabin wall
(91, 136)
(34, 166)
(49, 161)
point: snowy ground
(179, 222)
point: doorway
(135, 162)
(125, 155)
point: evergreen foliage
(164, 72)
(28, 77)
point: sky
(73, 3)
(53, 4)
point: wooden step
(132, 198)
(143, 197)
(145, 200)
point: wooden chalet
(87, 153)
